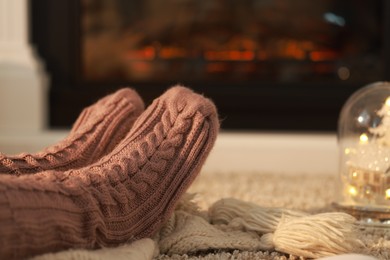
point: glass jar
(364, 147)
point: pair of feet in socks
(116, 178)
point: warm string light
(388, 102)
(363, 138)
(352, 191)
(364, 185)
(388, 194)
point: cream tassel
(290, 231)
(315, 236)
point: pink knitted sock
(96, 132)
(126, 195)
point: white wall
(23, 82)
(272, 152)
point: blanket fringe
(290, 231)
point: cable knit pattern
(125, 196)
(98, 129)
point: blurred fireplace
(267, 64)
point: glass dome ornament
(364, 154)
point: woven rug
(308, 192)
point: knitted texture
(235, 224)
(126, 195)
(96, 132)
(186, 233)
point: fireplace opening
(231, 41)
(268, 64)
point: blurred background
(270, 65)
(279, 71)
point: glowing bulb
(354, 174)
(388, 102)
(388, 194)
(363, 138)
(352, 190)
(347, 151)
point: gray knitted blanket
(307, 192)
